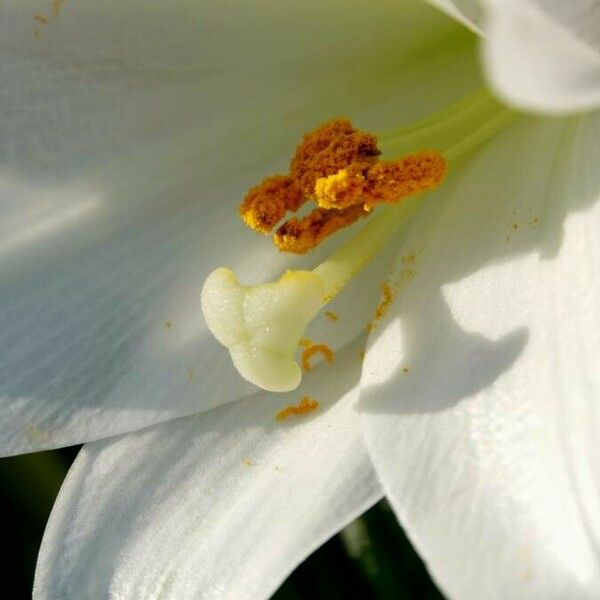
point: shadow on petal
(507, 206)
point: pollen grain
(386, 301)
(306, 405)
(309, 352)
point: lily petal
(223, 504)
(544, 55)
(130, 132)
(480, 390)
(467, 12)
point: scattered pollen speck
(306, 405)
(388, 298)
(405, 370)
(531, 222)
(324, 349)
(167, 324)
(386, 301)
(331, 315)
(190, 374)
(57, 6)
(361, 355)
(305, 343)
(409, 259)
(247, 463)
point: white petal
(544, 55)
(487, 446)
(219, 505)
(467, 12)
(130, 133)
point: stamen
(301, 235)
(337, 167)
(263, 326)
(266, 204)
(324, 349)
(386, 182)
(330, 148)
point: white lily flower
(544, 55)
(128, 129)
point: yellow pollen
(266, 204)
(306, 405)
(382, 307)
(337, 167)
(331, 315)
(324, 349)
(305, 342)
(383, 182)
(386, 301)
(57, 6)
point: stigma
(261, 325)
(338, 169)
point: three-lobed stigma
(337, 167)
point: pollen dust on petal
(306, 405)
(44, 20)
(382, 307)
(305, 343)
(331, 315)
(337, 167)
(313, 349)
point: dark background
(371, 558)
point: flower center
(339, 168)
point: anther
(383, 182)
(301, 235)
(266, 204)
(337, 167)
